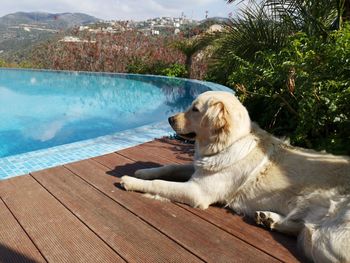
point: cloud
(120, 9)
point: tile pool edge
(20, 164)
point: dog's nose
(171, 120)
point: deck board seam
(212, 223)
(189, 210)
(26, 233)
(127, 157)
(145, 221)
(71, 212)
(223, 229)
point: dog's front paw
(127, 182)
(265, 218)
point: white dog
(288, 189)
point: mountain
(48, 20)
(20, 31)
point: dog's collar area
(237, 151)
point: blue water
(41, 109)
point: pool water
(42, 109)
(51, 118)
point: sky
(123, 9)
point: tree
(266, 26)
(190, 47)
(288, 62)
(312, 16)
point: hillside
(20, 31)
(46, 20)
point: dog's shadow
(131, 168)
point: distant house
(83, 28)
(215, 28)
(71, 39)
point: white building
(215, 28)
(71, 39)
(83, 28)
(154, 32)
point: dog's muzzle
(190, 136)
(171, 121)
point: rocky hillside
(20, 31)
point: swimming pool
(49, 116)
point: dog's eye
(195, 109)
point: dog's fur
(288, 189)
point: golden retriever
(288, 189)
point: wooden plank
(195, 234)
(57, 233)
(160, 152)
(132, 238)
(183, 152)
(276, 244)
(145, 155)
(15, 245)
(170, 150)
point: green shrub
(175, 70)
(137, 66)
(26, 64)
(22, 64)
(3, 63)
(140, 66)
(302, 91)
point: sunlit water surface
(41, 109)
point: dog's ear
(217, 117)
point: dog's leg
(187, 192)
(278, 222)
(167, 172)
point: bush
(139, 66)
(22, 64)
(175, 70)
(2, 63)
(121, 52)
(26, 64)
(303, 91)
(129, 51)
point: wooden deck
(78, 213)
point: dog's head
(215, 118)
